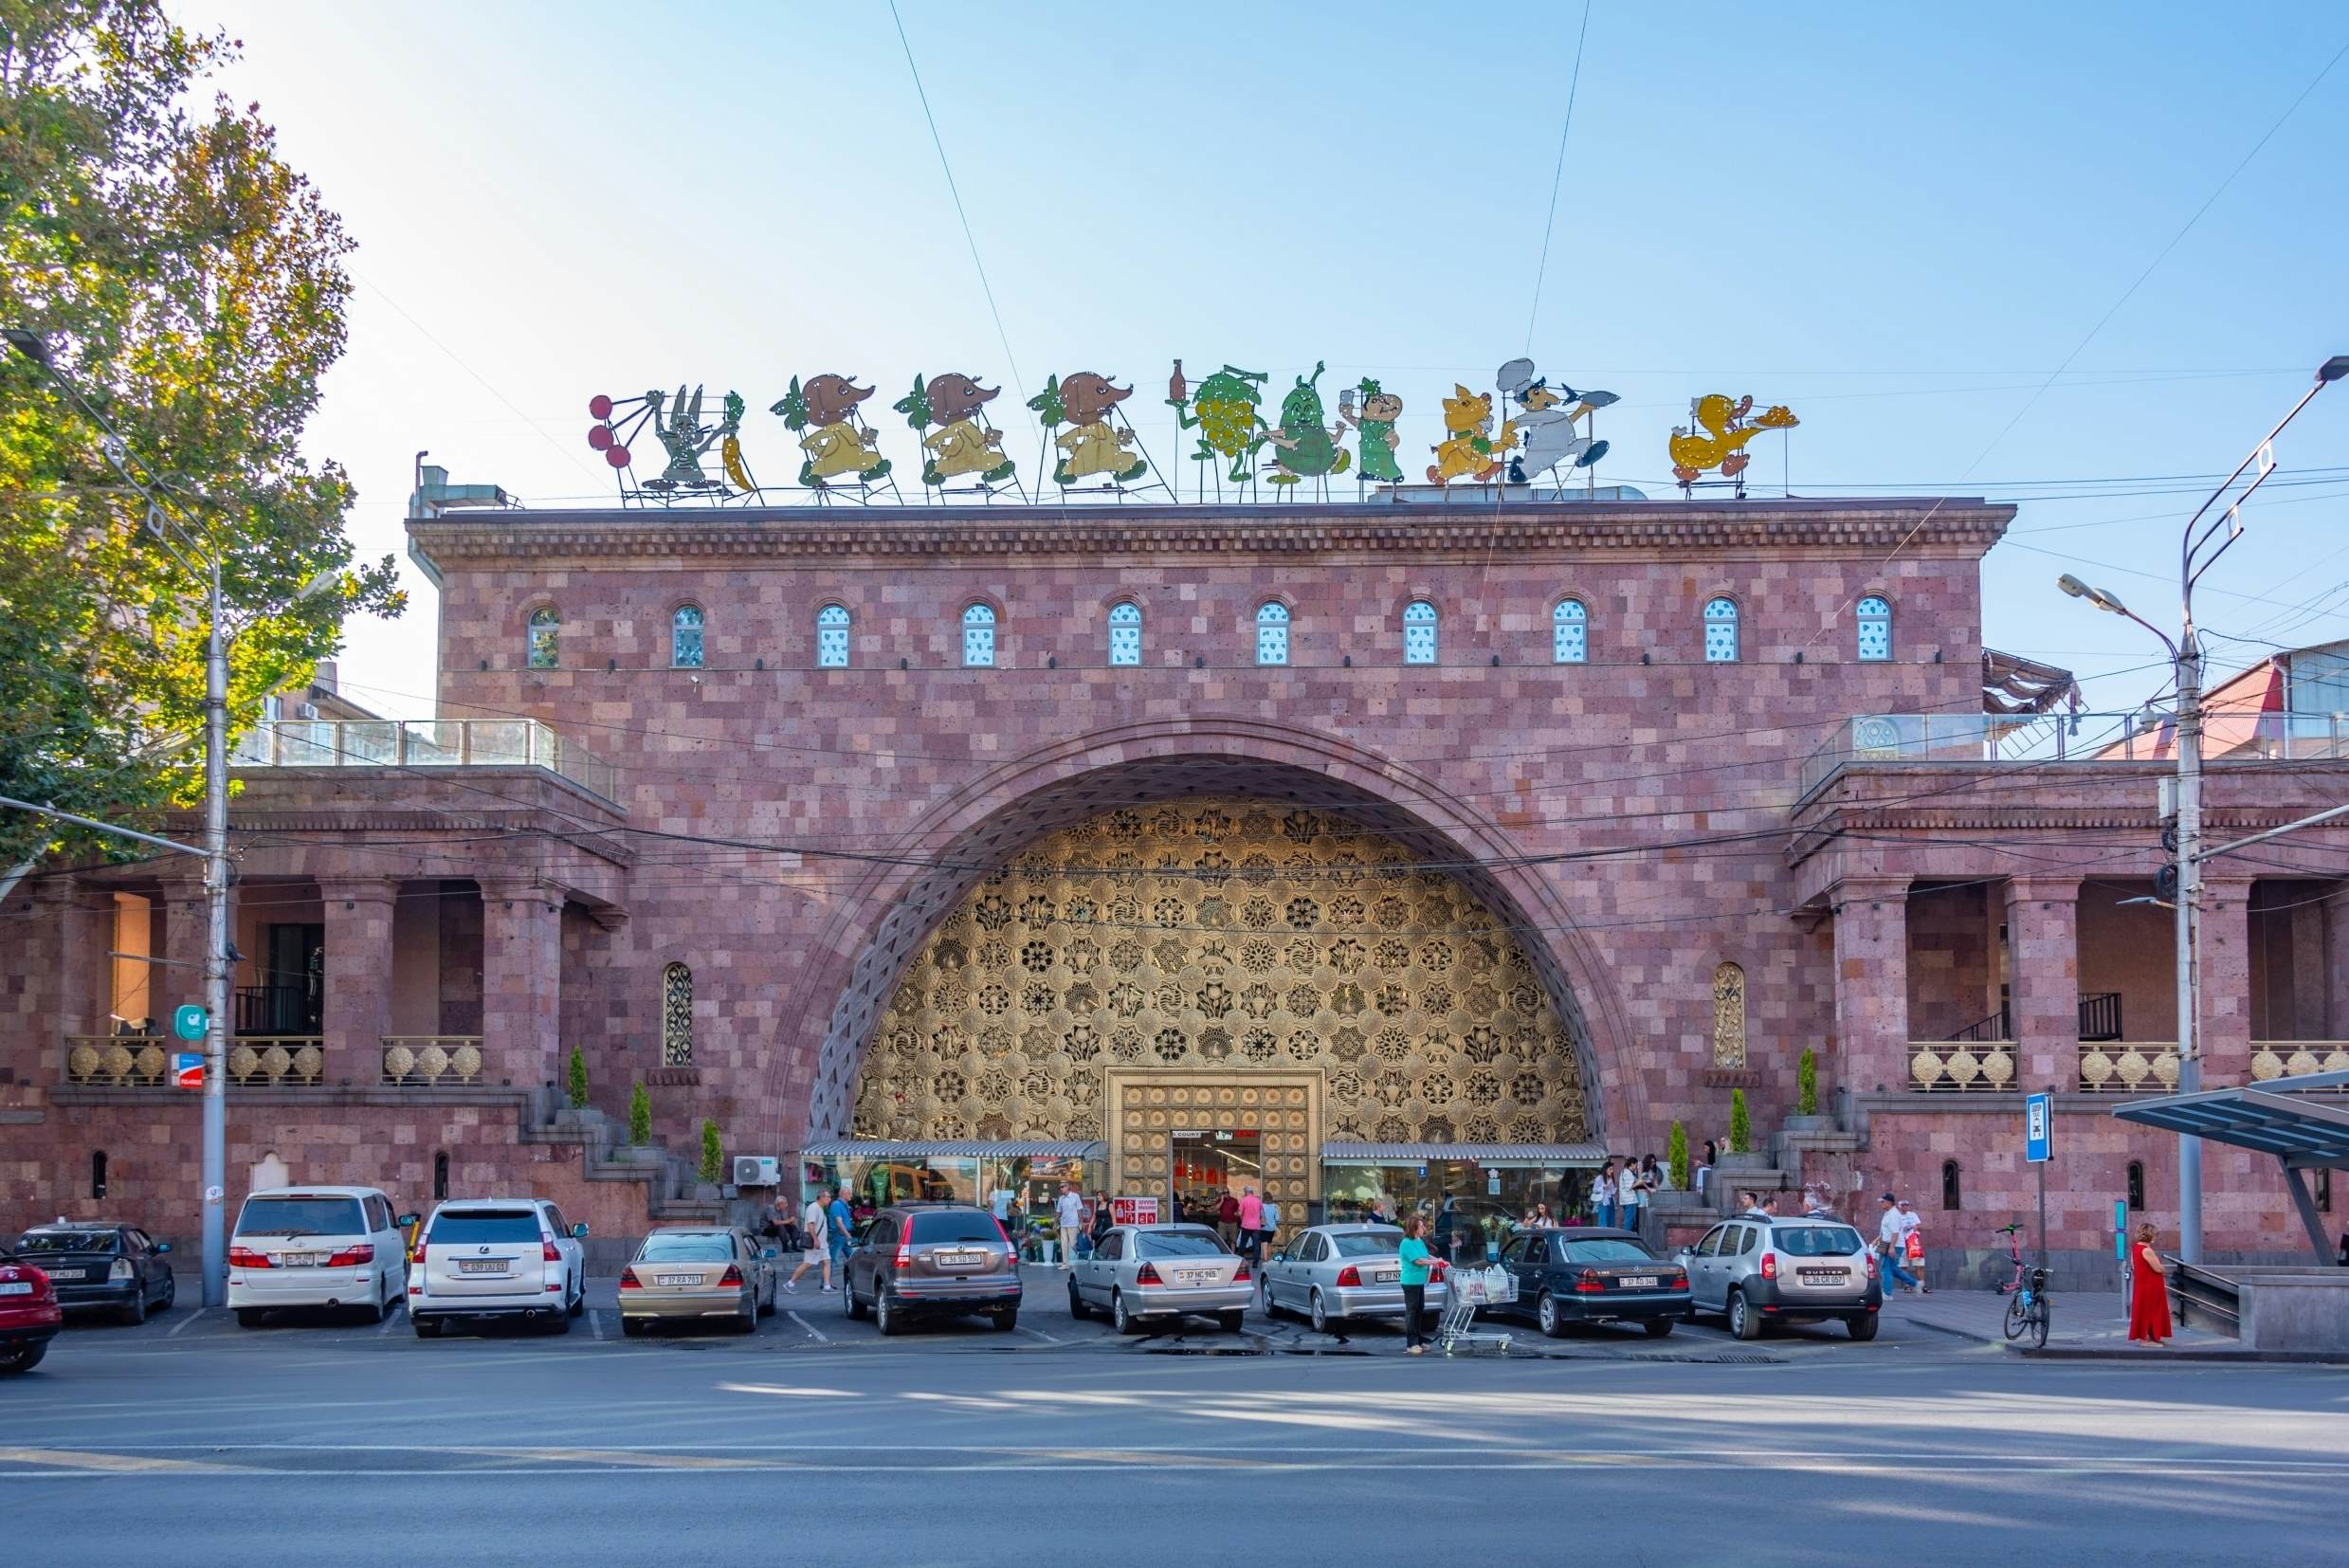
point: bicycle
(2028, 1311)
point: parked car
(1586, 1275)
(317, 1247)
(918, 1260)
(1336, 1272)
(102, 1264)
(481, 1258)
(1761, 1271)
(29, 1315)
(692, 1273)
(1140, 1272)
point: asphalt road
(199, 1442)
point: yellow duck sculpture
(1722, 445)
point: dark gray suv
(932, 1259)
(1759, 1270)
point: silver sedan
(1333, 1273)
(1144, 1271)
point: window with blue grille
(1419, 632)
(831, 637)
(1570, 632)
(1272, 633)
(546, 637)
(686, 637)
(1125, 632)
(978, 637)
(1875, 629)
(1721, 632)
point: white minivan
(317, 1247)
(494, 1257)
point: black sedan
(1588, 1275)
(103, 1265)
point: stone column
(2225, 1037)
(187, 932)
(2336, 972)
(2043, 984)
(1871, 982)
(521, 982)
(68, 977)
(358, 1013)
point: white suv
(315, 1247)
(491, 1257)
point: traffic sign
(2038, 1110)
(188, 1022)
(187, 1069)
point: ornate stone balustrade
(2290, 1058)
(2119, 1067)
(1961, 1067)
(415, 1060)
(276, 1061)
(119, 1061)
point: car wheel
(1265, 1302)
(1007, 1321)
(1862, 1324)
(250, 1317)
(559, 1324)
(1658, 1327)
(1743, 1320)
(1317, 1312)
(578, 1299)
(1546, 1314)
(376, 1310)
(1120, 1319)
(888, 1319)
(848, 1297)
(24, 1359)
(634, 1327)
(171, 1294)
(1232, 1321)
(748, 1322)
(427, 1328)
(136, 1312)
(1076, 1308)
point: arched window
(1419, 632)
(1721, 632)
(1875, 629)
(1570, 632)
(1729, 1016)
(1125, 632)
(677, 1016)
(2137, 1184)
(685, 638)
(98, 1173)
(1953, 1193)
(546, 637)
(1272, 633)
(978, 637)
(831, 637)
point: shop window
(831, 637)
(677, 1016)
(440, 1176)
(1953, 1194)
(546, 637)
(978, 637)
(1125, 632)
(686, 637)
(2137, 1184)
(1419, 632)
(1728, 1016)
(1570, 627)
(1875, 629)
(1272, 633)
(98, 1173)
(1721, 632)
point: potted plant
(1806, 1118)
(713, 1171)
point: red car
(29, 1315)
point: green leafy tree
(1807, 1082)
(191, 286)
(577, 1085)
(1740, 1124)
(640, 1115)
(1676, 1152)
(713, 1153)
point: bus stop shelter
(2303, 1121)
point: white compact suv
(317, 1247)
(491, 1257)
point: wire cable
(1557, 177)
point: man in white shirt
(813, 1227)
(1890, 1239)
(1069, 1213)
(1628, 1193)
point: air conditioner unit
(307, 710)
(757, 1170)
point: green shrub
(1678, 1155)
(1740, 1122)
(579, 1083)
(640, 1115)
(1807, 1082)
(713, 1154)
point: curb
(2090, 1353)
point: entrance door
(1206, 1165)
(291, 998)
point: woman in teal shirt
(1414, 1258)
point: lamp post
(2196, 557)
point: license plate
(1386, 1276)
(16, 1288)
(67, 1274)
(957, 1260)
(1638, 1282)
(300, 1260)
(677, 1279)
(1195, 1276)
(481, 1266)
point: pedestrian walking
(1604, 1189)
(1628, 1193)
(839, 1232)
(1413, 1257)
(1105, 1217)
(812, 1251)
(1913, 1246)
(1271, 1227)
(1068, 1213)
(1227, 1219)
(2149, 1291)
(1891, 1247)
(1252, 1219)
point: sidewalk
(2086, 1325)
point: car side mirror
(1686, 1254)
(771, 1254)
(578, 1231)
(163, 1247)
(407, 1220)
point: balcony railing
(2290, 1058)
(119, 1061)
(2143, 736)
(2120, 1066)
(424, 1060)
(1948, 1067)
(421, 744)
(2105, 1067)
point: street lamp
(2196, 557)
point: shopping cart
(1464, 1290)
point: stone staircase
(674, 1192)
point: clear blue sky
(1900, 220)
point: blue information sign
(2038, 1110)
(188, 1022)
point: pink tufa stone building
(1427, 847)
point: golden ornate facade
(1221, 943)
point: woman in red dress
(2149, 1291)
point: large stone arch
(882, 918)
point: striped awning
(1478, 1154)
(957, 1148)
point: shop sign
(1133, 1210)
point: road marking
(596, 1324)
(780, 1389)
(112, 1464)
(185, 1324)
(821, 1338)
(385, 1326)
(631, 1458)
(1040, 1334)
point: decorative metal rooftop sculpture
(842, 449)
(1716, 438)
(1100, 443)
(1303, 446)
(964, 446)
(1231, 428)
(677, 425)
(1469, 449)
(1549, 419)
